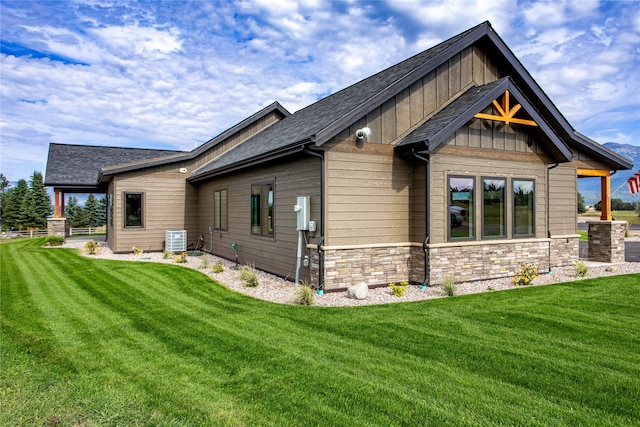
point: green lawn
(94, 342)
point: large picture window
(494, 193)
(133, 210)
(523, 208)
(461, 207)
(262, 209)
(220, 216)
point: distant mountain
(590, 187)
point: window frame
(470, 212)
(126, 206)
(220, 221)
(533, 208)
(263, 223)
(505, 225)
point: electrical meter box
(302, 211)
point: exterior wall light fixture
(362, 134)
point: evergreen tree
(14, 198)
(36, 206)
(73, 212)
(581, 207)
(92, 209)
(102, 210)
(4, 189)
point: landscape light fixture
(362, 134)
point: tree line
(26, 206)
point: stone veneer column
(57, 227)
(606, 241)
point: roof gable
(435, 131)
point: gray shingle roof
(77, 166)
(320, 121)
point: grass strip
(98, 342)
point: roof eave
(250, 162)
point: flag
(634, 183)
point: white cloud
(171, 74)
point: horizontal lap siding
(168, 204)
(367, 198)
(278, 254)
(563, 200)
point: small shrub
(581, 269)
(449, 286)
(92, 248)
(303, 295)
(204, 262)
(526, 276)
(399, 289)
(217, 267)
(167, 254)
(181, 258)
(248, 276)
(137, 251)
(54, 241)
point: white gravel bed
(278, 290)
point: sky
(174, 74)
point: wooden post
(56, 209)
(62, 214)
(605, 190)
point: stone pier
(606, 241)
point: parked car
(458, 215)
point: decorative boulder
(358, 291)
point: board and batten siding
(299, 177)
(169, 203)
(367, 196)
(411, 107)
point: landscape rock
(359, 291)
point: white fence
(74, 231)
(24, 233)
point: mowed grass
(93, 342)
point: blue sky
(174, 74)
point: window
(133, 210)
(461, 207)
(494, 193)
(220, 210)
(262, 209)
(523, 208)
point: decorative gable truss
(506, 112)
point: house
(452, 163)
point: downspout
(321, 241)
(555, 165)
(425, 283)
